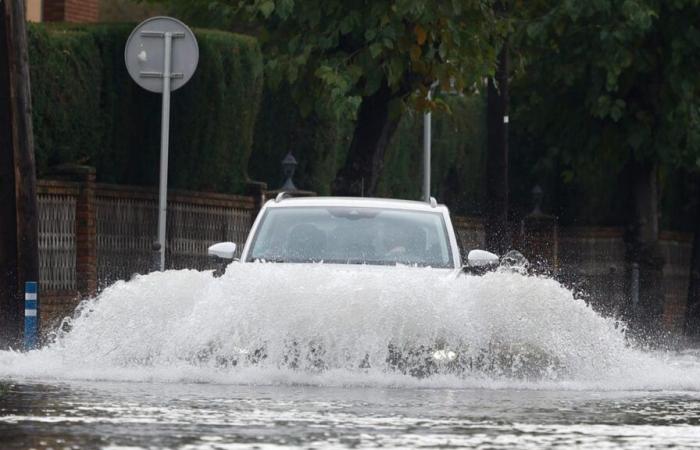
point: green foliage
(607, 82)
(347, 49)
(319, 142)
(334, 56)
(65, 113)
(617, 79)
(458, 155)
(86, 108)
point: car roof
(366, 202)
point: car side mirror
(479, 262)
(223, 250)
(482, 258)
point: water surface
(274, 357)
(205, 416)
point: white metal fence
(57, 242)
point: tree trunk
(692, 313)
(498, 238)
(373, 132)
(19, 261)
(644, 255)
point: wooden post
(19, 253)
(10, 306)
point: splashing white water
(267, 323)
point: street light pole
(427, 142)
(427, 130)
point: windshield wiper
(269, 260)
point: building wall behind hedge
(87, 109)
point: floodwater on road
(270, 356)
(210, 416)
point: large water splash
(268, 323)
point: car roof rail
(433, 202)
(281, 196)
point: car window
(352, 235)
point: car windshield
(352, 235)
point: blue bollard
(30, 315)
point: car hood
(363, 268)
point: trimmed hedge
(87, 109)
(458, 155)
(319, 142)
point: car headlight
(444, 355)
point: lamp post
(427, 138)
(289, 165)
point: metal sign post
(161, 55)
(31, 319)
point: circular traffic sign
(145, 53)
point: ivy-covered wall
(87, 109)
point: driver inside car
(404, 243)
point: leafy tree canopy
(613, 81)
(366, 60)
(338, 49)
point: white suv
(367, 231)
(368, 234)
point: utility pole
(498, 238)
(19, 254)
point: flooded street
(348, 358)
(283, 224)
(210, 416)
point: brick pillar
(539, 236)
(85, 225)
(54, 11)
(257, 189)
(86, 235)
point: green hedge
(458, 155)
(87, 109)
(319, 142)
(224, 124)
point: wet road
(83, 415)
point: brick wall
(55, 306)
(71, 11)
(592, 262)
(92, 234)
(676, 249)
